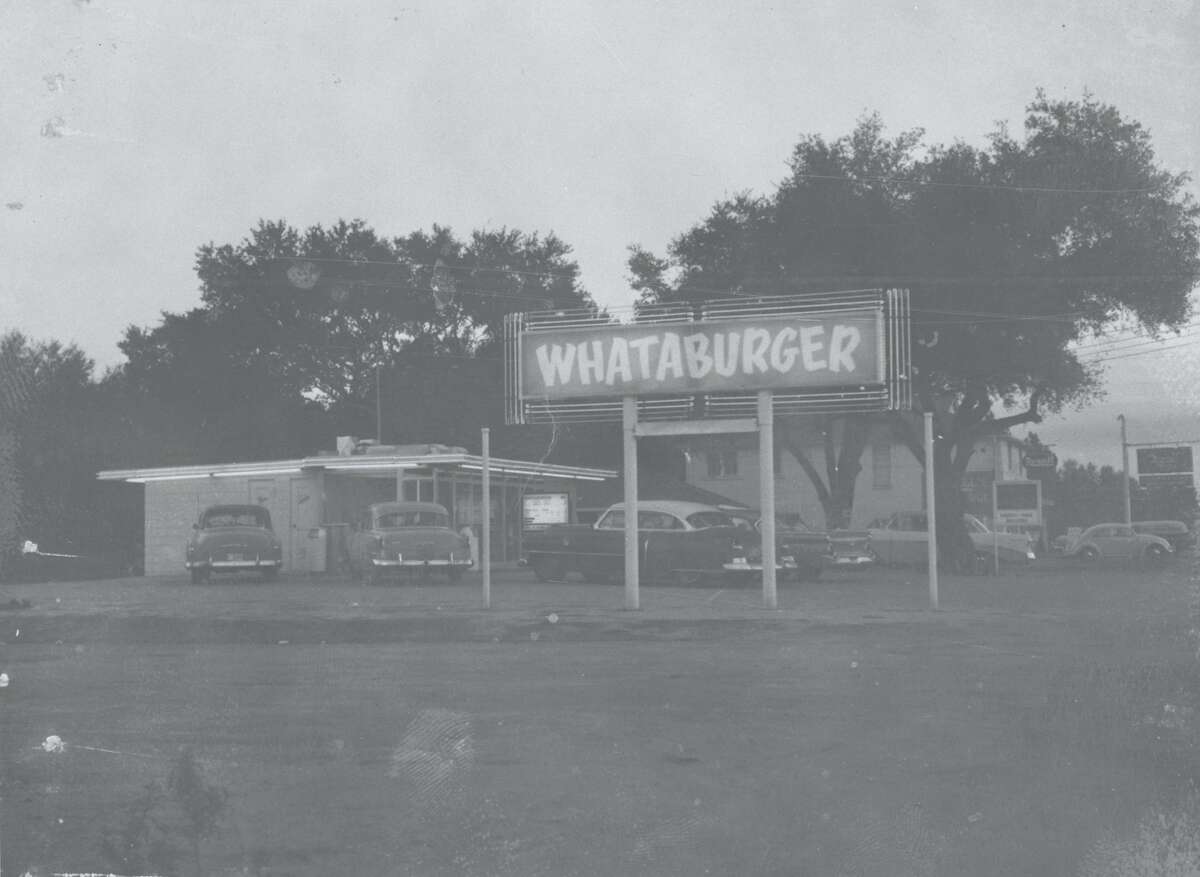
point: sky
(135, 131)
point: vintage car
(1119, 542)
(680, 542)
(394, 537)
(233, 538)
(1175, 532)
(904, 540)
(836, 549)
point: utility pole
(1125, 472)
(378, 410)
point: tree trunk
(843, 462)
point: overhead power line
(1004, 187)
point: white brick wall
(171, 509)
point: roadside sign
(543, 509)
(1017, 502)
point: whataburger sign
(768, 352)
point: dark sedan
(392, 537)
(234, 538)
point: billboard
(1165, 461)
(767, 352)
(1017, 502)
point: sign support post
(632, 550)
(485, 551)
(766, 493)
(930, 513)
(1125, 473)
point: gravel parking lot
(1040, 723)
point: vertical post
(996, 477)
(930, 514)
(485, 550)
(766, 494)
(629, 432)
(1125, 473)
(378, 410)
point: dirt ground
(1042, 724)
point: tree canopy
(298, 331)
(1012, 251)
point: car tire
(810, 573)
(983, 564)
(1089, 554)
(371, 576)
(199, 576)
(454, 575)
(1155, 555)
(270, 574)
(549, 569)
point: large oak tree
(1013, 252)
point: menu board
(543, 509)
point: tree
(1012, 252)
(298, 331)
(56, 431)
(1085, 494)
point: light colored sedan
(904, 539)
(1119, 542)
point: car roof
(679, 508)
(407, 507)
(235, 507)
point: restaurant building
(313, 500)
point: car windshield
(705, 520)
(236, 518)
(974, 525)
(412, 518)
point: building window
(723, 463)
(881, 466)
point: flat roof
(360, 464)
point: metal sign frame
(892, 393)
(1038, 516)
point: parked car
(683, 542)
(393, 537)
(1175, 532)
(1119, 542)
(835, 549)
(904, 539)
(810, 550)
(233, 538)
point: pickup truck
(680, 542)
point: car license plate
(234, 557)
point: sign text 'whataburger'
(816, 350)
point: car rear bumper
(787, 564)
(442, 562)
(233, 564)
(849, 560)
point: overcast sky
(134, 131)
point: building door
(304, 520)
